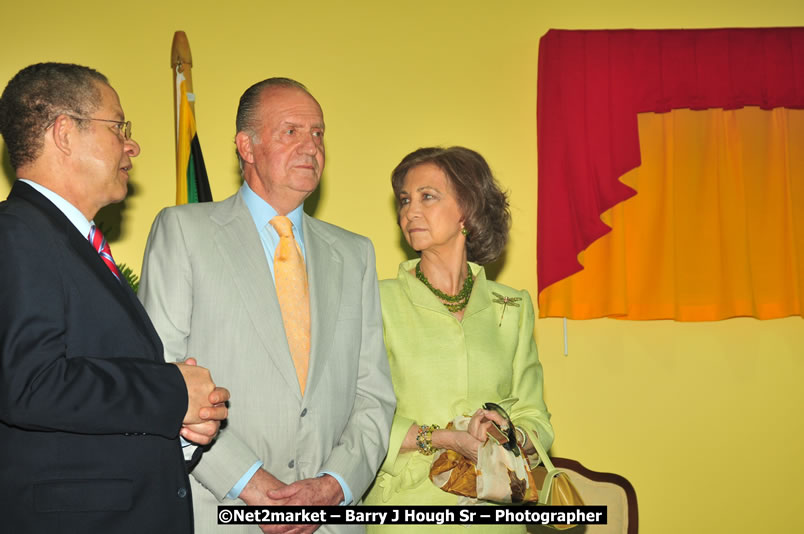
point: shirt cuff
(187, 448)
(234, 493)
(347, 493)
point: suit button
(304, 412)
(291, 464)
(182, 493)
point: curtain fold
(592, 85)
(716, 231)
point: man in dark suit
(90, 413)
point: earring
(464, 231)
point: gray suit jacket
(208, 289)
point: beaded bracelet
(424, 439)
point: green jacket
(442, 368)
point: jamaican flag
(192, 184)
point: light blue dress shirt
(262, 213)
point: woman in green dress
(455, 340)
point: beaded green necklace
(454, 303)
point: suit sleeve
(166, 285)
(364, 442)
(530, 412)
(41, 387)
(400, 426)
(166, 291)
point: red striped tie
(99, 243)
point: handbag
(556, 487)
(500, 475)
(503, 473)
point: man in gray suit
(295, 436)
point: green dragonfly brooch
(505, 301)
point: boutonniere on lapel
(505, 301)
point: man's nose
(132, 148)
(308, 145)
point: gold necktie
(290, 278)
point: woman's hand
(459, 441)
(466, 442)
(481, 421)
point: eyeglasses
(124, 127)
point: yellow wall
(679, 409)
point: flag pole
(192, 182)
(181, 61)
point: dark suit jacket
(89, 411)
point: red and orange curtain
(717, 227)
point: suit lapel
(418, 292)
(88, 256)
(325, 279)
(480, 299)
(239, 244)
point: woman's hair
(487, 218)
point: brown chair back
(606, 489)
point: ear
(245, 147)
(63, 134)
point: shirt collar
(262, 212)
(71, 212)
